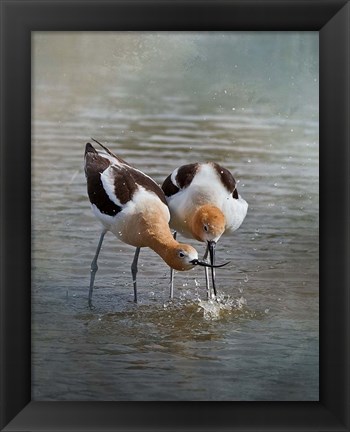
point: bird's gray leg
(172, 275)
(205, 256)
(94, 267)
(134, 271)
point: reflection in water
(248, 101)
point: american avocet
(204, 204)
(133, 207)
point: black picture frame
(18, 20)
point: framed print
(259, 89)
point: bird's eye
(206, 228)
(181, 254)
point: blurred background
(247, 100)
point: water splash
(215, 309)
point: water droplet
(241, 302)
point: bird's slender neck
(163, 244)
(158, 237)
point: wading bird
(204, 204)
(133, 207)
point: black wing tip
(108, 151)
(98, 142)
(89, 149)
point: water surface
(246, 100)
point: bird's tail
(90, 149)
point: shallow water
(248, 101)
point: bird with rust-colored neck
(204, 204)
(133, 207)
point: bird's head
(184, 257)
(208, 224)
